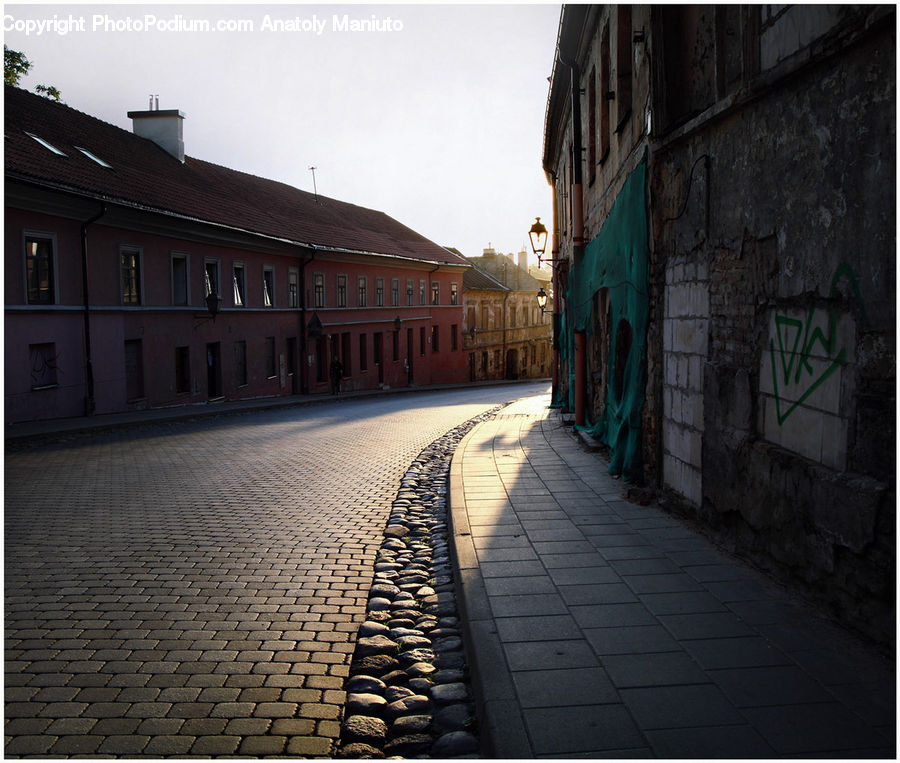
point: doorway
(213, 370)
(409, 357)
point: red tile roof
(144, 175)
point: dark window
(379, 292)
(409, 291)
(293, 288)
(592, 126)
(435, 293)
(43, 365)
(363, 353)
(179, 279)
(240, 363)
(395, 292)
(422, 291)
(605, 94)
(39, 267)
(271, 370)
(182, 369)
(395, 349)
(321, 355)
(342, 291)
(435, 333)
(454, 294)
(362, 298)
(345, 352)
(454, 337)
(319, 290)
(134, 370)
(623, 65)
(422, 340)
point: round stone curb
(407, 691)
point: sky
(433, 114)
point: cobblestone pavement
(196, 587)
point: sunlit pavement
(196, 587)
(601, 628)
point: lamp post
(542, 300)
(538, 237)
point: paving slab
(618, 631)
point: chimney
(523, 260)
(165, 128)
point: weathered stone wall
(779, 214)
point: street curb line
(501, 732)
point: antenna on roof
(150, 107)
(315, 192)
(156, 97)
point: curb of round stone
(407, 690)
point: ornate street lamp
(542, 300)
(212, 304)
(538, 236)
(397, 323)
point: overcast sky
(433, 114)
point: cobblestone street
(196, 587)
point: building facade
(137, 277)
(505, 333)
(726, 295)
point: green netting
(617, 260)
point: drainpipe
(578, 237)
(304, 365)
(89, 402)
(554, 269)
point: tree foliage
(16, 66)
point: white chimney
(523, 260)
(165, 128)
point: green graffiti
(794, 356)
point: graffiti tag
(794, 367)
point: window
(454, 294)
(239, 284)
(435, 293)
(342, 291)
(362, 291)
(180, 283)
(268, 286)
(240, 363)
(512, 316)
(363, 353)
(131, 276)
(422, 340)
(319, 290)
(454, 337)
(379, 292)
(271, 371)
(605, 95)
(40, 270)
(182, 369)
(395, 292)
(592, 126)
(435, 332)
(211, 276)
(623, 65)
(134, 370)
(94, 157)
(422, 291)
(395, 349)
(321, 354)
(45, 144)
(293, 288)
(409, 291)
(43, 365)
(345, 352)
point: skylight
(45, 144)
(95, 158)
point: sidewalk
(600, 628)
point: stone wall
(775, 232)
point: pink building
(138, 277)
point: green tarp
(616, 260)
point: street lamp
(542, 300)
(538, 236)
(212, 304)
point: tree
(16, 66)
